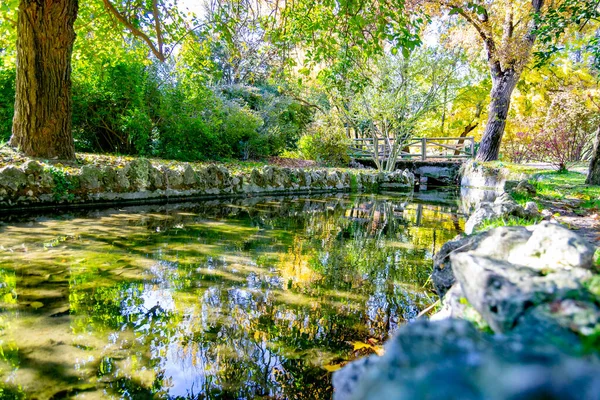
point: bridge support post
(423, 149)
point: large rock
(551, 246)
(506, 271)
(502, 207)
(501, 291)
(137, 174)
(525, 188)
(12, 178)
(479, 175)
(561, 322)
(484, 212)
(189, 176)
(90, 178)
(496, 243)
(450, 359)
(399, 179)
(155, 178)
(32, 167)
(442, 275)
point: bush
(517, 147)
(110, 110)
(7, 101)
(283, 119)
(567, 132)
(205, 127)
(184, 131)
(326, 143)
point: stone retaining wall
(36, 185)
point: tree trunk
(461, 142)
(42, 119)
(593, 177)
(503, 85)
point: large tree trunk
(42, 119)
(593, 177)
(503, 85)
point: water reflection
(254, 298)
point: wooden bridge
(448, 148)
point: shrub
(282, 118)
(567, 131)
(185, 127)
(326, 143)
(517, 147)
(110, 111)
(7, 101)
(561, 145)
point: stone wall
(36, 185)
(435, 173)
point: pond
(247, 298)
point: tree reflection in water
(255, 298)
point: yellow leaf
(361, 345)
(332, 367)
(36, 305)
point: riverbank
(104, 180)
(519, 310)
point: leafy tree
(567, 129)
(402, 91)
(507, 30)
(552, 99)
(45, 37)
(553, 26)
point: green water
(257, 298)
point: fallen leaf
(332, 367)
(36, 304)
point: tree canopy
(249, 79)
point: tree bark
(503, 84)
(42, 119)
(593, 177)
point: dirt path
(585, 222)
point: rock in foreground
(450, 359)
(526, 283)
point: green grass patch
(562, 186)
(507, 221)
(567, 186)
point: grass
(507, 221)
(568, 187)
(8, 156)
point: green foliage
(326, 143)
(567, 186)
(111, 111)
(340, 35)
(7, 100)
(507, 221)
(282, 119)
(353, 183)
(219, 131)
(62, 184)
(557, 21)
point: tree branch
(485, 34)
(135, 31)
(156, 15)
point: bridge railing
(423, 148)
